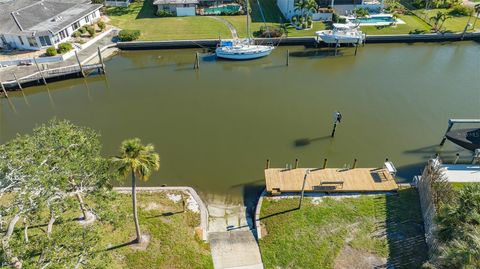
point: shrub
(232, 13)
(461, 10)
(64, 47)
(82, 30)
(294, 19)
(269, 32)
(361, 12)
(76, 34)
(128, 35)
(165, 13)
(101, 25)
(91, 30)
(51, 51)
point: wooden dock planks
(329, 180)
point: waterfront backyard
(172, 243)
(365, 231)
(141, 16)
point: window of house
(76, 25)
(94, 15)
(32, 41)
(63, 34)
(87, 19)
(45, 41)
(21, 40)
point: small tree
(438, 20)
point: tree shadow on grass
(122, 245)
(279, 213)
(148, 10)
(165, 214)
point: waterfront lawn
(453, 24)
(141, 16)
(413, 24)
(386, 228)
(172, 240)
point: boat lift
(453, 121)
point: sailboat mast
(248, 20)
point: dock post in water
(79, 64)
(356, 46)
(18, 82)
(324, 163)
(3, 89)
(296, 163)
(40, 71)
(336, 47)
(354, 163)
(288, 57)
(101, 59)
(457, 156)
(196, 65)
(267, 165)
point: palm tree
(311, 6)
(440, 17)
(138, 160)
(477, 12)
(301, 5)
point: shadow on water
(306, 141)
(211, 57)
(402, 223)
(407, 172)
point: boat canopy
(344, 26)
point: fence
(427, 204)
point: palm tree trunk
(50, 223)
(82, 206)
(134, 205)
(475, 21)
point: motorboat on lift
(242, 49)
(465, 138)
(342, 33)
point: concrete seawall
(297, 41)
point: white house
(287, 7)
(35, 24)
(178, 7)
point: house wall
(14, 39)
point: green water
(215, 128)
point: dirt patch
(354, 258)
(143, 245)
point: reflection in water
(215, 127)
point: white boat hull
(247, 52)
(340, 39)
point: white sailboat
(341, 34)
(242, 49)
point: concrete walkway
(232, 243)
(228, 24)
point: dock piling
(336, 47)
(3, 89)
(356, 46)
(40, 71)
(354, 163)
(18, 82)
(267, 165)
(324, 163)
(457, 156)
(79, 64)
(196, 65)
(296, 163)
(288, 57)
(101, 59)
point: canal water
(215, 128)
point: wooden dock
(329, 180)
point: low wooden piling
(267, 165)
(18, 82)
(196, 65)
(288, 57)
(336, 47)
(79, 64)
(356, 46)
(324, 163)
(3, 89)
(354, 163)
(296, 163)
(101, 60)
(40, 71)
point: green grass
(313, 236)
(141, 16)
(412, 24)
(453, 24)
(460, 185)
(172, 244)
